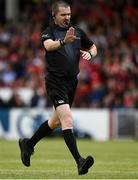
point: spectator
(103, 83)
(15, 101)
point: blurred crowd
(109, 81)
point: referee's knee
(54, 123)
(66, 122)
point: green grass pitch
(52, 160)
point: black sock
(71, 143)
(43, 131)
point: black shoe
(84, 165)
(26, 151)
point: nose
(67, 17)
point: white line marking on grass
(59, 170)
(34, 170)
(58, 161)
(37, 160)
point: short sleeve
(47, 34)
(85, 41)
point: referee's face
(62, 17)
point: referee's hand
(86, 55)
(70, 36)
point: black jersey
(64, 62)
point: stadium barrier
(16, 123)
(98, 124)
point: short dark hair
(56, 5)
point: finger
(84, 53)
(68, 33)
(81, 51)
(71, 37)
(87, 56)
(72, 30)
(74, 37)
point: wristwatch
(90, 54)
(62, 43)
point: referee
(63, 45)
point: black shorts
(61, 90)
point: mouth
(66, 23)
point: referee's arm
(90, 53)
(93, 50)
(51, 45)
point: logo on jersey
(60, 101)
(45, 36)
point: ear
(53, 15)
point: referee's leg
(54, 121)
(45, 129)
(65, 116)
(27, 145)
